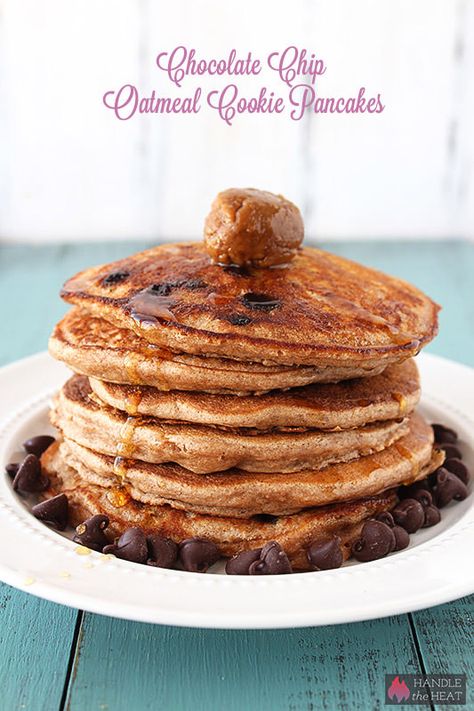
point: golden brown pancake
(242, 494)
(92, 346)
(295, 533)
(320, 309)
(81, 416)
(351, 403)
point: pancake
(320, 309)
(80, 416)
(92, 346)
(390, 395)
(295, 533)
(242, 494)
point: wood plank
(445, 635)
(122, 666)
(35, 643)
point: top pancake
(318, 310)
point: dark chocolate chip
(407, 492)
(130, 546)
(386, 518)
(451, 451)
(236, 270)
(29, 478)
(261, 302)
(455, 466)
(195, 284)
(409, 515)
(198, 554)
(424, 497)
(12, 468)
(273, 561)
(432, 516)
(325, 554)
(38, 445)
(53, 511)
(162, 552)
(162, 289)
(240, 563)
(265, 518)
(444, 434)
(116, 277)
(239, 319)
(91, 532)
(376, 541)
(448, 488)
(402, 538)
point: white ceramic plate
(437, 566)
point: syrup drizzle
(402, 403)
(133, 400)
(408, 455)
(119, 495)
(396, 335)
(131, 363)
(148, 306)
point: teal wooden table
(54, 657)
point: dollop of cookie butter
(252, 228)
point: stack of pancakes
(239, 405)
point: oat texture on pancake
(244, 398)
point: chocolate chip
(424, 497)
(198, 554)
(91, 532)
(449, 487)
(273, 561)
(53, 511)
(455, 466)
(432, 516)
(409, 515)
(116, 277)
(12, 468)
(407, 492)
(236, 270)
(265, 518)
(194, 284)
(29, 478)
(239, 564)
(162, 289)
(38, 445)
(261, 302)
(130, 546)
(239, 319)
(325, 554)
(451, 451)
(444, 434)
(386, 518)
(402, 538)
(162, 552)
(376, 541)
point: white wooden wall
(71, 171)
